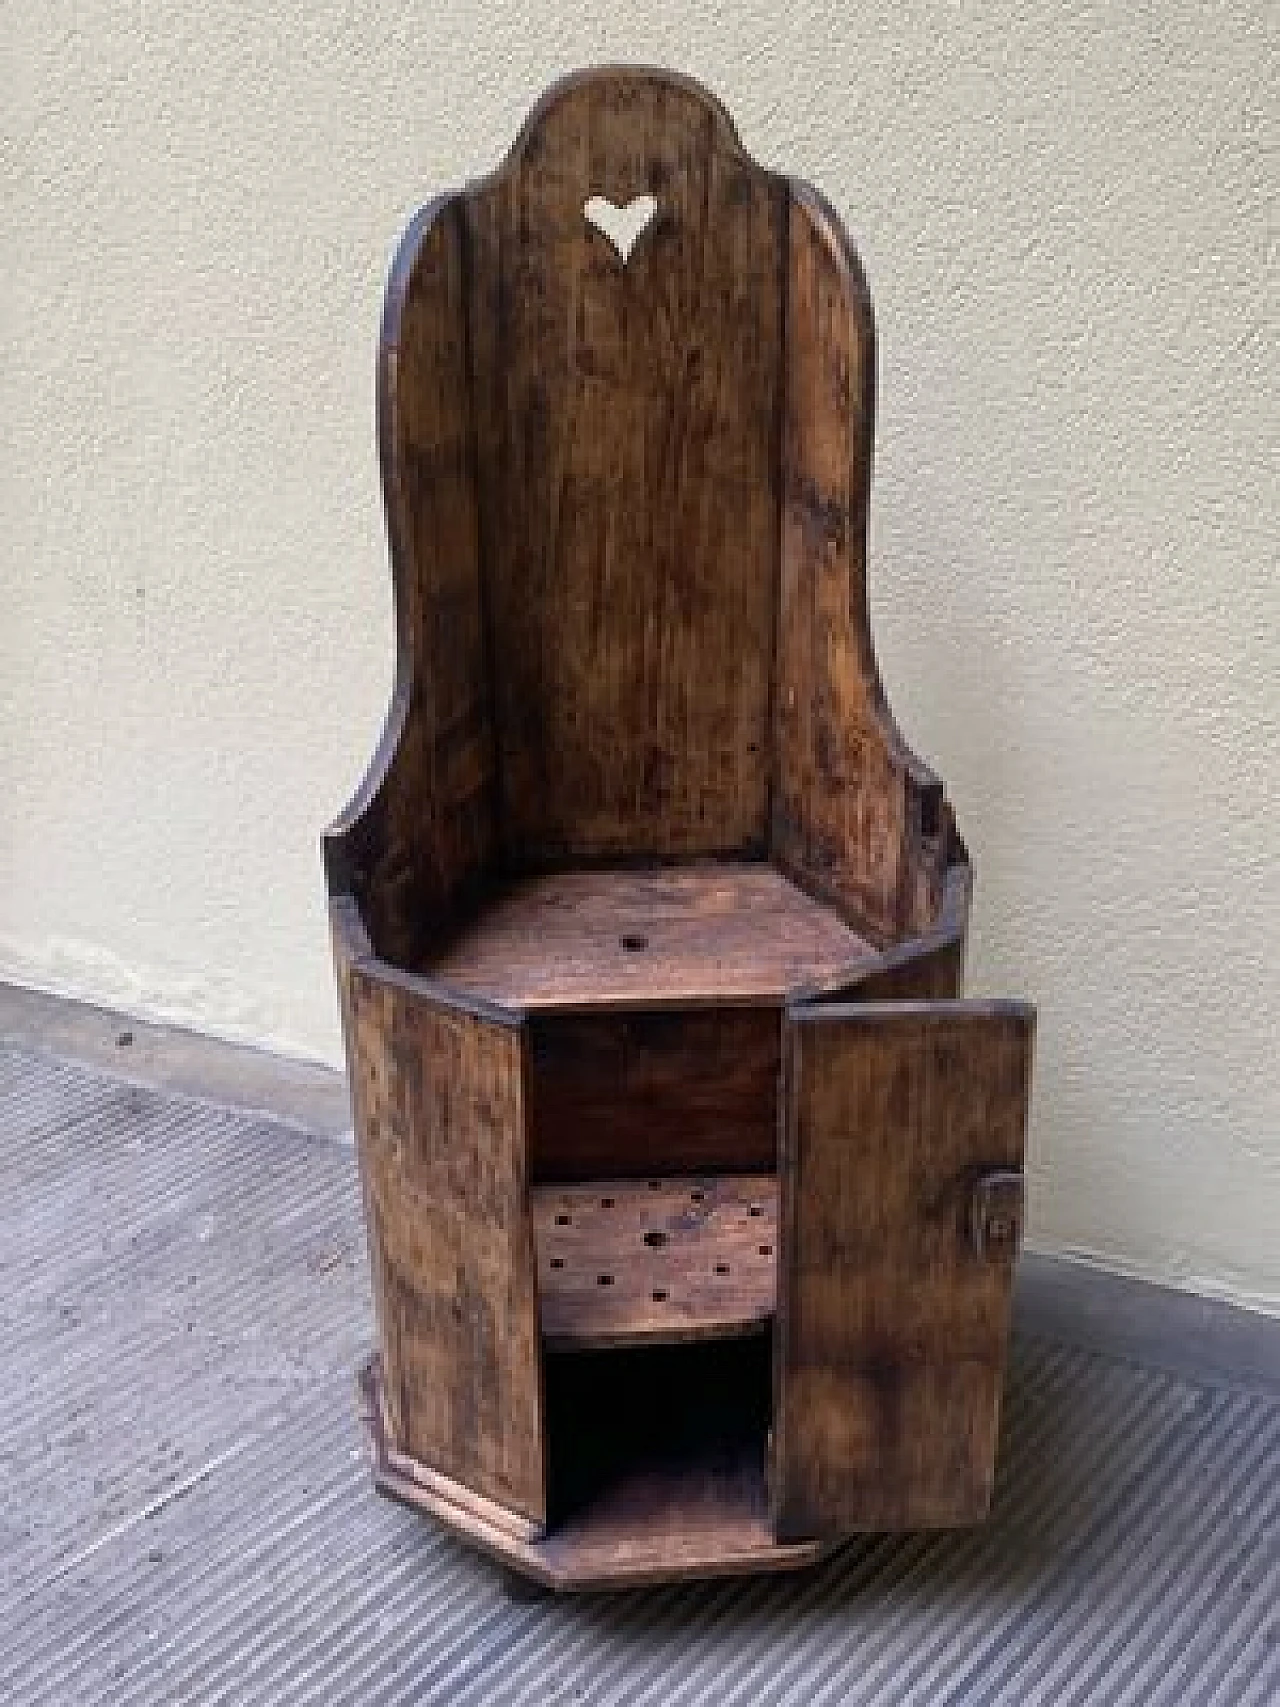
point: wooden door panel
(903, 1127)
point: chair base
(703, 1520)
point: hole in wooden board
(659, 1295)
(634, 943)
(606, 1203)
(755, 1209)
(622, 226)
(696, 1195)
(655, 1185)
(563, 1220)
(722, 1268)
(766, 1250)
(604, 1280)
(557, 1262)
(655, 1240)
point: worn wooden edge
(433, 1484)
(573, 82)
(949, 930)
(857, 294)
(355, 953)
(964, 1008)
(337, 838)
(512, 1541)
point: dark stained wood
(856, 816)
(622, 1262)
(704, 1514)
(891, 1326)
(626, 438)
(439, 1099)
(707, 933)
(420, 831)
(924, 968)
(639, 1093)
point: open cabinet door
(903, 1127)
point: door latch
(995, 1215)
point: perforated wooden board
(622, 1262)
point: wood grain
(856, 816)
(625, 1262)
(921, 968)
(707, 933)
(891, 1329)
(439, 1098)
(638, 1093)
(626, 436)
(419, 834)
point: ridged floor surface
(186, 1517)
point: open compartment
(652, 1443)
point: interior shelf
(657, 1261)
(711, 931)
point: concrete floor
(186, 1515)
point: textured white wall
(1068, 216)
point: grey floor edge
(187, 1517)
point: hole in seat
(604, 1280)
(634, 942)
(655, 1239)
(659, 1295)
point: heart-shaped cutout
(623, 226)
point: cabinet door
(903, 1127)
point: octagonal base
(705, 1520)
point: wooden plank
(891, 1326)
(855, 814)
(420, 830)
(625, 1262)
(699, 933)
(439, 1100)
(626, 435)
(638, 1093)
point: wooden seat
(707, 933)
(645, 896)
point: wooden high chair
(692, 1187)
